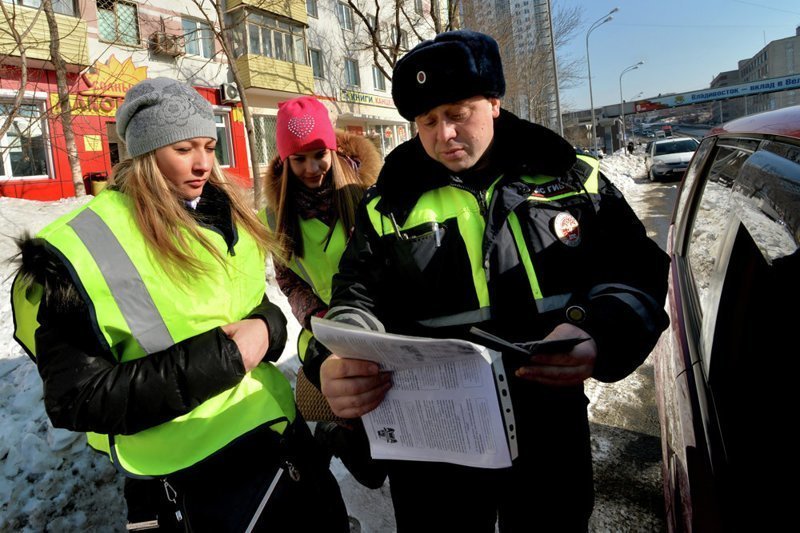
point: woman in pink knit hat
(312, 190)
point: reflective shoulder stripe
(592, 183)
(524, 255)
(124, 282)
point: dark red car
(727, 368)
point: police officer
(484, 219)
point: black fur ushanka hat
(453, 66)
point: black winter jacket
(616, 273)
(87, 389)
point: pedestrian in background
(146, 314)
(488, 220)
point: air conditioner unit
(229, 93)
(166, 44)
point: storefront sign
(355, 97)
(105, 88)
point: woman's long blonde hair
(166, 224)
(349, 186)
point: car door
(739, 263)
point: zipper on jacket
(480, 195)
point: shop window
(378, 79)
(223, 149)
(345, 16)
(198, 38)
(266, 128)
(23, 150)
(351, 73)
(118, 22)
(316, 63)
(270, 37)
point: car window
(677, 147)
(687, 185)
(742, 259)
(711, 219)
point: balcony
(71, 30)
(293, 9)
(267, 73)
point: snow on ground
(51, 481)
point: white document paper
(443, 406)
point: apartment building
(109, 45)
(780, 57)
(281, 48)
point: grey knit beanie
(161, 111)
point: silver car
(668, 158)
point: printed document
(448, 402)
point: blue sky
(684, 43)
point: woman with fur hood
(312, 189)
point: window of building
(271, 37)
(118, 22)
(316, 63)
(378, 79)
(23, 151)
(198, 38)
(265, 128)
(351, 76)
(65, 7)
(223, 149)
(345, 16)
(418, 7)
(311, 8)
(403, 37)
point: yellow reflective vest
(139, 309)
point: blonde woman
(312, 189)
(146, 315)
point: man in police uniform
(487, 220)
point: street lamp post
(599, 22)
(621, 99)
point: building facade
(778, 58)
(281, 49)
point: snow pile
(51, 481)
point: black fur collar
(519, 147)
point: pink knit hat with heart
(303, 125)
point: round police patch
(421, 77)
(566, 228)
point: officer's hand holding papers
(443, 404)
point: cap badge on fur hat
(421, 77)
(301, 126)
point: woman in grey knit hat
(145, 311)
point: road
(624, 421)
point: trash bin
(98, 181)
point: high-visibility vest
(139, 309)
(319, 263)
(438, 205)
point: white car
(668, 158)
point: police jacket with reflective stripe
(85, 387)
(509, 247)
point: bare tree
(388, 24)
(18, 38)
(64, 105)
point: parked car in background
(726, 370)
(668, 158)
